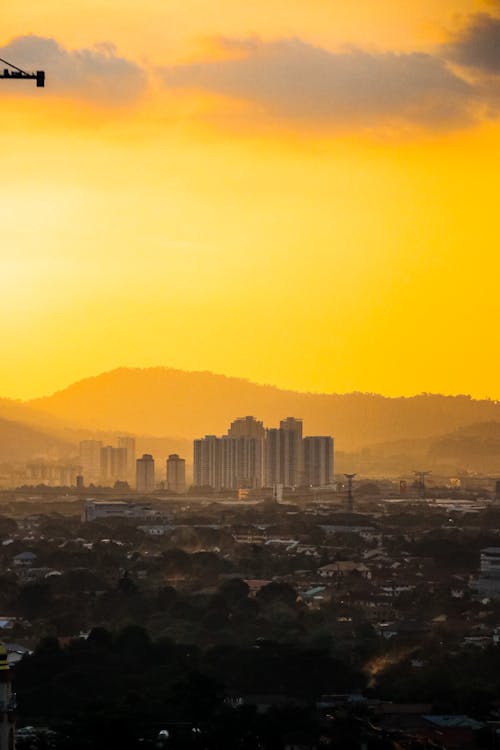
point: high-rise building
(247, 468)
(246, 427)
(248, 454)
(227, 457)
(230, 462)
(145, 473)
(291, 452)
(90, 460)
(207, 464)
(318, 461)
(272, 458)
(176, 474)
(113, 464)
(128, 444)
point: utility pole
(421, 481)
(350, 497)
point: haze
(301, 194)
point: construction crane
(15, 73)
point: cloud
(96, 73)
(477, 45)
(294, 79)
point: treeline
(110, 690)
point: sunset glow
(216, 186)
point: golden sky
(300, 193)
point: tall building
(318, 461)
(145, 473)
(176, 474)
(248, 453)
(207, 467)
(250, 457)
(113, 464)
(291, 452)
(128, 444)
(90, 460)
(247, 427)
(234, 461)
(272, 457)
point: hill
(20, 442)
(163, 401)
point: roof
(314, 591)
(25, 556)
(345, 565)
(458, 721)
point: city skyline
(251, 456)
(341, 204)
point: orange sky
(303, 194)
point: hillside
(162, 401)
(19, 442)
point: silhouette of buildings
(251, 457)
(207, 469)
(113, 464)
(291, 452)
(128, 444)
(90, 460)
(176, 474)
(318, 461)
(107, 464)
(145, 473)
(52, 474)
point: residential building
(128, 444)
(291, 452)
(318, 461)
(90, 460)
(113, 464)
(207, 467)
(176, 474)
(145, 473)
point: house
(343, 568)
(24, 559)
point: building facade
(90, 460)
(318, 461)
(127, 444)
(176, 474)
(145, 473)
(113, 464)
(250, 457)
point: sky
(298, 193)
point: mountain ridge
(159, 400)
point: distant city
(249, 456)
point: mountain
(474, 448)
(163, 401)
(20, 443)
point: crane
(15, 73)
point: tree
(234, 590)
(277, 592)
